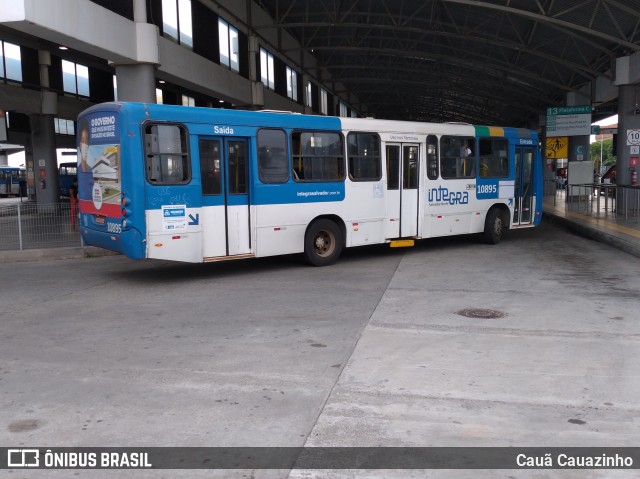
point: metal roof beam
(546, 19)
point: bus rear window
(166, 155)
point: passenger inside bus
(459, 161)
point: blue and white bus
(201, 184)
(12, 181)
(66, 173)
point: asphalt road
(374, 351)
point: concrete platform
(608, 228)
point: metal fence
(550, 188)
(30, 226)
(605, 199)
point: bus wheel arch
(495, 224)
(324, 240)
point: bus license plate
(100, 220)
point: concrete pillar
(628, 82)
(579, 148)
(45, 163)
(308, 110)
(44, 167)
(44, 58)
(257, 87)
(579, 145)
(4, 159)
(137, 81)
(140, 11)
(628, 119)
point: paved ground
(372, 351)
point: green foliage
(607, 153)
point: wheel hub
(323, 243)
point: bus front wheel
(494, 226)
(322, 243)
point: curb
(594, 234)
(50, 254)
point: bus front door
(524, 198)
(403, 168)
(224, 172)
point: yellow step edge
(401, 243)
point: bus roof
(177, 113)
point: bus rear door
(224, 170)
(402, 190)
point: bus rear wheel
(322, 243)
(493, 227)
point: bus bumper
(129, 242)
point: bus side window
(459, 157)
(365, 160)
(317, 156)
(432, 157)
(273, 163)
(494, 159)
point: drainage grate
(481, 313)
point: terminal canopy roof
(490, 62)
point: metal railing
(550, 188)
(29, 226)
(604, 199)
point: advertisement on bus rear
(99, 182)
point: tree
(607, 159)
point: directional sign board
(569, 121)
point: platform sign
(633, 137)
(569, 121)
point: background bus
(199, 184)
(13, 181)
(66, 173)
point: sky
(612, 120)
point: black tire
(322, 243)
(493, 227)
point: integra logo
(443, 195)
